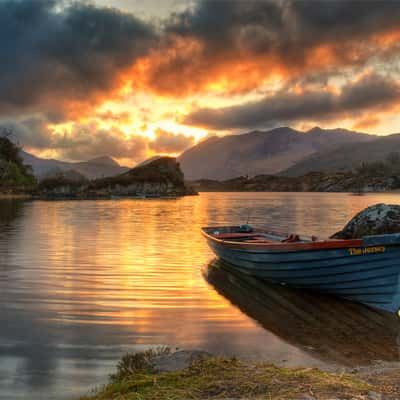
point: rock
(63, 183)
(179, 360)
(374, 396)
(375, 220)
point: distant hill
(347, 156)
(96, 168)
(259, 152)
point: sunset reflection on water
(82, 282)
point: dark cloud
(246, 42)
(372, 91)
(61, 59)
(290, 27)
(168, 142)
(59, 55)
(31, 132)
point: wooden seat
(236, 235)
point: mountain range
(348, 156)
(99, 167)
(280, 151)
(262, 152)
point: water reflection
(81, 283)
(335, 330)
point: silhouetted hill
(160, 177)
(259, 152)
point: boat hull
(368, 274)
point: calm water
(81, 283)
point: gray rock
(374, 396)
(307, 397)
(375, 220)
(179, 360)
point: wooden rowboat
(364, 270)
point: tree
(13, 172)
(9, 151)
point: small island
(158, 178)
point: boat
(365, 270)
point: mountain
(347, 156)
(96, 168)
(260, 152)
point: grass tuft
(134, 363)
(218, 378)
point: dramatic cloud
(84, 80)
(59, 57)
(88, 141)
(168, 142)
(234, 46)
(82, 142)
(371, 91)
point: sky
(135, 78)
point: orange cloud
(185, 66)
(370, 121)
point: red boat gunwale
(292, 246)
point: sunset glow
(160, 79)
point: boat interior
(246, 233)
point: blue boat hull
(369, 278)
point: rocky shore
(311, 182)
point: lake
(83, 282)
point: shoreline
(27, 196)
(393, 191)
(160, 373)
(6, 196)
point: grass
(219, 378)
